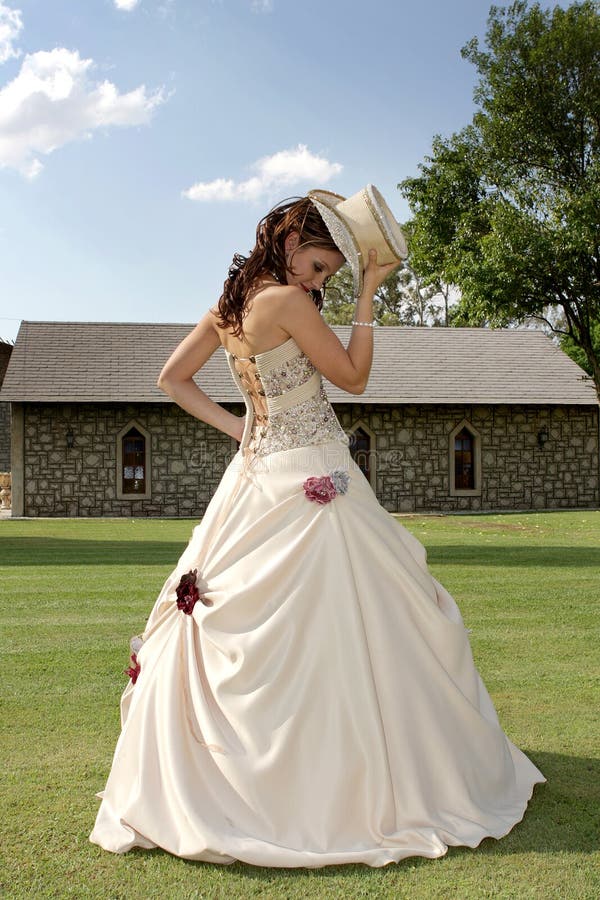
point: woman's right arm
(347, 368)
(176, 379)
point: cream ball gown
(315, 701)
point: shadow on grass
(500, 555)
(50, 551)
(561, 817)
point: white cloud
(262, 6)
(11, 25)
(126, 5)
(52, 102)
(282, 170)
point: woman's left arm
(176, 379)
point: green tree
(576, 353)
(404, 298)
(508, 209)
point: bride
(304, 691)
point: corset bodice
(286, 403)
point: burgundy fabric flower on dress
(134, 669)
(188, 594)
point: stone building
(5, 352)
(451, 420)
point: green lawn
(74, 591)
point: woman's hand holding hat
(375, 275)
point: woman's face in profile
(311, 265)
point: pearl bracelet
(370, 324)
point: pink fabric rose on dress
(326, 487)
(321, 490)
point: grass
(73, 591)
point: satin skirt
(326, 709)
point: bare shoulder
(261, 326)
(281, 299)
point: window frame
(120, 493)
(477, 473)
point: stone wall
(5, 352)
(188, 459)
(4, 437)
(410, 458)
(412, 462)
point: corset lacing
(252, 383)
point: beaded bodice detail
(285, 400)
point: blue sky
(141, 142)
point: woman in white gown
(304, 692)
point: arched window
(363, 449)
(360, 450)
(465, 460)
(133, 462)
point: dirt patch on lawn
(499, 526)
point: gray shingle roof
(121, 361)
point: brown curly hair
(268, 256)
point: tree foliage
(508, 209)
(404, 298)
(576, 353)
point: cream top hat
(358, 223)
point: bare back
(262, 330)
